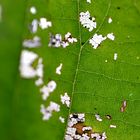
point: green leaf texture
(93, 85)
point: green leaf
(93, 85)
(11, 30)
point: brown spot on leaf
(123, 106)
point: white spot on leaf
(27, 58)
(88, 1)
(115, 56)
(44, 24)
(96, 40)
(62, 119)
(58, 69)
(32, 43)
(33, 10)
(111, 36)
(65, 99)
(87, 21)
(110, 20)
(47, 112)
(48, 89)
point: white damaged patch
(76, 129)
(26, 68)
(110, 20)
(88, 1)
(96, 40)
(34, 26)
(32, 43)
(115, 56)
(39, 82)
(47, 112)
(27, 58)
(33, 10)
(65, 99)
(46, 90)
(58, 69)
(87, 21)
(57, 41)
(113, 126)
(44, 23)
(62, 120)
(111, 36)
(98, 117)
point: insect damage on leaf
(98, 118)
(39, 82)
(26, 69)
(57, 41)
(47, 112)
(115, 56)
(78, 130)
(34, 26)
(58, 69)
(88, 1)
(32, 43)
(113, 126)
(33, 10)
(76, 126)
(44, 24)
(96, 40)
(111, 36)
(62, 120)
(87, 21)
(108, 117)
(123, 106)
(110, 20)
(46, 90)
(65, 99)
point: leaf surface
(93, 85)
